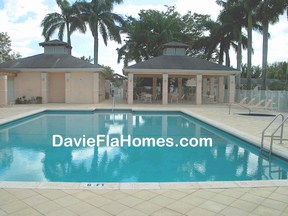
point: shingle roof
(179, 63)
(48, 61)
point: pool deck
(237, 198)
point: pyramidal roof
(171, 62)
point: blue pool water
(27, 154)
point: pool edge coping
(143, 185)
(150, 185)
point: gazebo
(174, 63)
(55, 76)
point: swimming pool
(27, 154)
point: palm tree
(223, 33)
(219, 36)
(268, 13)
(249, 7)
(233, 15)
(98, 14)
(68, 19)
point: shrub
(32, 100)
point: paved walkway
(174, 202)
(241, 201)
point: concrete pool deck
(211, 199)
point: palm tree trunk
(227, 60)
(249, 50)
(221, 54)
(239, 63)
(239, 50)
(68, 34)
(265, 53)
(96, 45)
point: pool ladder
(273, 136)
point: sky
(21, 20)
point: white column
(44, 88)
(3, 91)
(130, 88)
(96, 88)
(67, 88)
(231, 89)
(198, 89)
(165, 89)
(221, 89)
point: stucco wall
(81, 87)
(101, 87)
(27, 84)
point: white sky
(21, 20)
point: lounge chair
(243, 100)
(240, 103)
(251, 101)
(267, 105)
(253, 108)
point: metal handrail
(281, 136)
(263, 132)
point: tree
(98, 15)
(268, 12)
(233, 16)
(249, 7)
(246, 11)
(68, 19)
(222, 34)
(277, 70)
(153, 28)
(5, 49)
(88, 59)
(108, 71)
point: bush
(277, 86)
(32, 100)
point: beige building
(54, 76)
(206, 79)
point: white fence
(280, 98)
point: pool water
(27, 154)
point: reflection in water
(26, 152)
